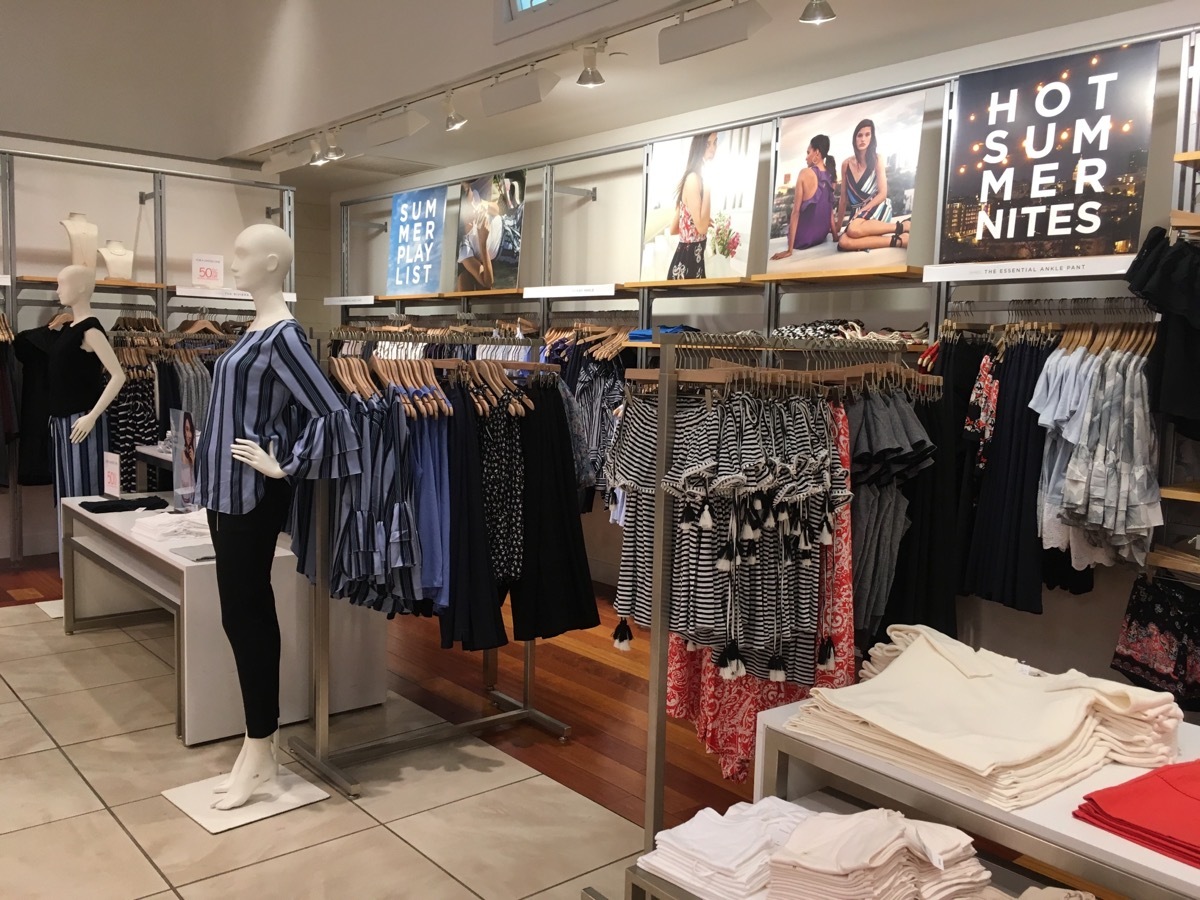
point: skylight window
(517, 17)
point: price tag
(208, 270)
(112, 475)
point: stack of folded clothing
(168, 526)
(1159, 810)
(879, 854)
(986, 725)
(725, 857)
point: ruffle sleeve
(326, 447)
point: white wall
(600, 242)
(201, 216)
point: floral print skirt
(688, 261)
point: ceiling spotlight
(454, 121)
(334, 153)
(816, 12)
(590, 77)
(318, 152)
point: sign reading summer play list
(415, 239)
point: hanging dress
(859, 190)
(688, 261)
(816, 213)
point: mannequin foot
(223, 786)
(257, 769)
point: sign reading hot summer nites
(1048, 159)
(415, 239)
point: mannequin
(79, 355)
(84, 237)
(118, 260)
(242, 482)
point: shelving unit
(1189, 158)
(795, 764)
(103, 285)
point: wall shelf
(1188, 491)
(411, 298)
(497, 295)
(103, 285)
(1181, 219)
(875, 277)
(1189, 158)
(692, 284)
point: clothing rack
(318, 756)
(1125, 308)
(680, 354)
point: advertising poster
(183, 458)
(854, 170)
(490, 213)
(700, 205)
(415, 240)
(1047, 164)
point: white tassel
(723, 565)
(778, 675)
(623, 646)
(692, 646)
(747, 532)
(706, 522)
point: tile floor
(87, 744)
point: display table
(113, 577)
(790, 765)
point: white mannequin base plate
(289, 791)
(52, 608)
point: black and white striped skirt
(78, 468)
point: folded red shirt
(1159, 810)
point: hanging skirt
(78, 468)
(688, 261)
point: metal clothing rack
(318, 755)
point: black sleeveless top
(76, 375)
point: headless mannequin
(261, 260)
(118, 260)
(84, 237)
(75, 287)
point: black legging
(245, 551)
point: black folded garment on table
(109, 506)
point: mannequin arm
(257, 458)
(95, 341)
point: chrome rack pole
(664, 553)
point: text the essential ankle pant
(245, 551)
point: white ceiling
(228, 78)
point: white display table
(791, 765)
(113, 577)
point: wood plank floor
(582, 681)
(35, 578)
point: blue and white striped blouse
(254, 384)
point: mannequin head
(262, 257)
(75, 285)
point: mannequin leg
(224, 785)
(245, 550)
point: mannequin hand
(782, 254)
(82, 428)
(257, 458)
